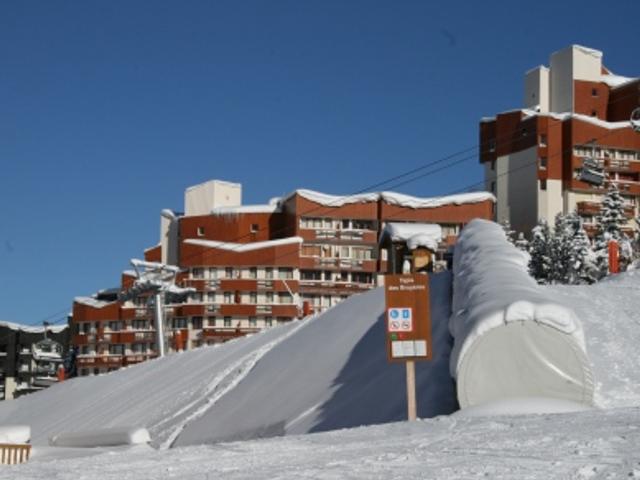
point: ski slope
(325, 372)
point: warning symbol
(400, 319)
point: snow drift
(511, 339)
(108, 437)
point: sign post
(408, 325)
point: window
(268, 273)
(227, 321)
(254, 228)
(139, 324)
(228, 272)
(84, 350)
(268, 321)
(311, 250)
(284, 297)
(362, 253)
(116, 349)
(362, 277)
(285, 273)
(201, 231)
(213, 273)
(197, 273)
(211, 321)
(115, 326)
(493, 165)
(179, 322)
(594, 92)
(253, 272)
(139, 348)
(311, 275)
(492, 145)
(196, 322)
(543, 163)
(493, 187)
(543, 184)
(344, 252)
(594, 113)
(363, 225)
(344, 276)
(196, 297)
(346, 224)
(269, 296)
(211, 297)
(253, 297)
(253, 322)
(543, 140)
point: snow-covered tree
(522, 243)
(540, 250)
(582, 261)
(508, 231)
(610, 222)
(560, 248)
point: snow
(15, 433)
(499, 347)
(578, 446)
(522, 406)
(615, 81)
(244, 247)
(107, 437)
(271, 208)
(32, 329)
(578, 116)
(393, 198)
(413, 234)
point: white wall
(200, 199)
(517, 191)
(550, 201)
(536, 89)
(572, 63)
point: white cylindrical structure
(159, 321)
(510, 339)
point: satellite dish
(635, 119)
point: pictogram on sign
(400, 319)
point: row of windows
(268, 273)
(337, 224)
(337, 251)
(112, 326)
(328, 276)
(238, 297)
(197, 323)
(606, 152)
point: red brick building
(575, 109)
(256, 266)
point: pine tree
(560, 248)
(540, 251)
(509, 233)
(522, 243)
(610, 222)
(582, 267)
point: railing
(11, 454)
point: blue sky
(108, 110)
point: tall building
(255, 266)
(29, 357)
(570, 142)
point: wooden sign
(408, 320)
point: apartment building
(29, 357)
(256, 266)
(569, 143)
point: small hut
(411, 247)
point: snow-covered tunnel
(510, 338)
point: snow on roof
(271, 208)
(222, 182)
(417, 202)
(577, 116)
(589, 51)
(615, 81)
(415, 235)
(151, 248)
(130, 273)
(31, 328)
(91, 302)
(393, 198)
(243, 247)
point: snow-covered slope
(326, 372)
(578, 446)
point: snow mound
(109, 437)
(15, 434)
(522, 406)
(413, 234)
(511, 339)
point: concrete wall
(200, 199)
(517, 192)
(550, 201)
(536, 89)
(569, 64)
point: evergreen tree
(560, 248)
(540, 251)
(509, 233)
(582, 267)
(610, 222)
(522, 243)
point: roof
(91, 302)
(415, 235)
(577, 116)
(31, 328)
(271, 208)
(243, 247)
(393, 198)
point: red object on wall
(177, 340)
(60, 373)
(306, 308)
(614, 257)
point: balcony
(593, 209)
(224, 334)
